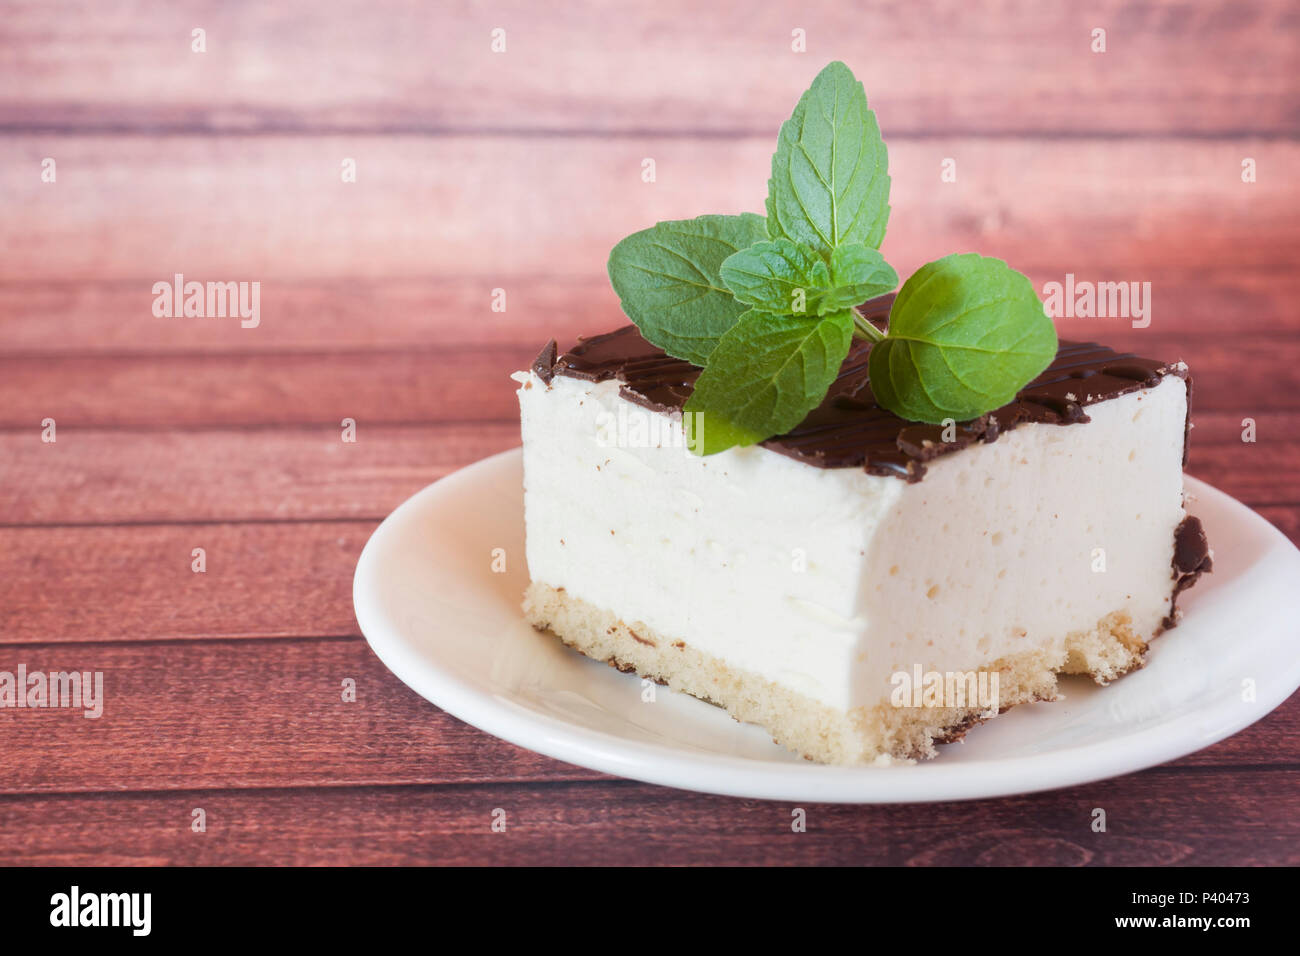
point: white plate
(450, 627)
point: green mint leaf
(858, 273)
(778, 276)
(788, 278)
(965, 334)
(830, 171)
(667, 278)
(767, 373)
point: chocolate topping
(544, 364)
(1191, 551)
(1191, 559)
(848, 429)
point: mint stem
(865, 330)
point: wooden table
(478, 171)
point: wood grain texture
(469, 384)
(257, 714)
(135, 582)
(263, 208)
(406, 65)
(294, 474)
(1162, 817)
(272, 474)
(248, 714)
(1263, 472)
(360, 315)
(518, 171)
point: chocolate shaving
(544, 364)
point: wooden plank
(674, 64)
(226, 714)
(1188, 817)
(232, 475)
(90, 317)
(131, 583)
(1259, 473)
(277, 474)
(256, 714)
(462, 385)
(373, 388)
(121, 583)
(342, 314)
(273, 208)
(243, 714)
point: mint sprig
(830, 171)
(778, 276)
(788, 278)
(767, 373)
(965, 334)
(766, 306)
(667, 277)
(858, 273)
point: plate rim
(747, 777)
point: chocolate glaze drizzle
(848, 429)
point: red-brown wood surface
(479, 171)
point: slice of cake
(862, 586)
(890, 521)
